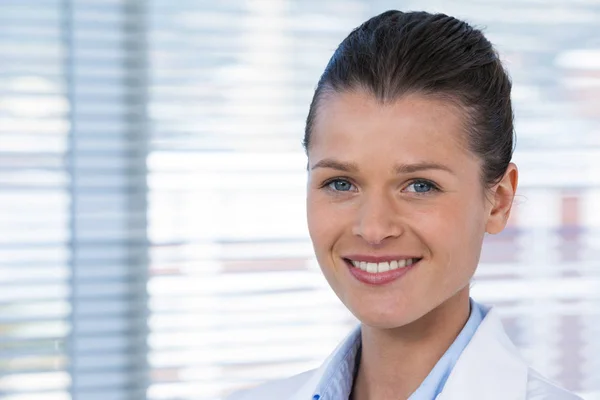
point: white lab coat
(489, 368)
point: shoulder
(278, 389)
(540, 388)
(304, 385)
(492, 368)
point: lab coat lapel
(490, 367)
(308, 389)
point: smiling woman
(396, 212)
(409, 140)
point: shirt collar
(338, 378)
(435, 381)
(336, 382)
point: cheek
(466, 235)
(312, 214)
(326, 222)
(454, 230)
(318, 219)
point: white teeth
(372, 267)
(384, 266)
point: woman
(409, 140)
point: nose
(377, 220)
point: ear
(501, 199)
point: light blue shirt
(337, 381)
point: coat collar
(489, 368)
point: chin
(380, 322)
(383, 318)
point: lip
(377, 259)
(379, 278)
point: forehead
(356, 121)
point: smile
(377, 271)
(383, 266)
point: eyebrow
(398, 169)
(421, 166)
(334, 164)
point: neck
(394, 362)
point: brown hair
(398, 53)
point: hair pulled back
(396, 54)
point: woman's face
(390, 185)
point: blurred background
(153, 242)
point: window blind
(153, 238)
(73, 249)
(34, 204)
(106, 72)
(235, 295)
(233, 291)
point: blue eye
(421, 187)
(340, 185)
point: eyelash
(434, 187)
(328, 182)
